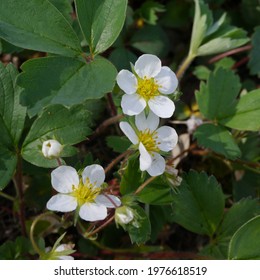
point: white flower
(51, 149)
(81, 192)
(150, 141)
(148, 85)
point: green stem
(34, 244)
(184, 66)
(9, 197)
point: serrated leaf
(12, 116)
(254, 61)
(245, 243)
(216, 97)
(70, 81)
(101, 22)
(199, 203)
(245, 115)
(141, 234)
(218, 139)
(68, 126)
(37, 25)
(132, 176)
(157, 192)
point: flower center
(85, 192)
(148, 139)
(147, 88)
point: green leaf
(132, 176)
(68, 126)
(202, 72)
(65, 7)
(141, 234)
(217, 96)
(70, 81)
(118, 144)
(245, 115)
(199, 203)
(37, 25)
(202, 21)
(151, 39)
(101, 22)
(245, 209)
(157, 192)
(235, 37)
(218, 139)
(254, 61)
(12, 116)
(245, 243)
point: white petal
(62, 203)
(167, 138)
(162, 106)
(145, 158)
(151, 122)
(158, 165)
(129, 132)
(92, 212)
(51, 148)
(127, 81)
(148, 65)
(95, 173)
(132, 104)
(167, 80)
(63, 178)
(70, 258)
(108, 200)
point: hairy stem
(185, 65)
(116, 160)
(148, 181)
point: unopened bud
(124, 215)
(51, 149)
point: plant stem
(148, 181)
(107, 222)
(18, 181)
(228, 53)
(116, 160)
(184, 66)
(7, 196)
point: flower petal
(148, 65)
(108, 200)
(167, 80)
(127, 81)
(151, 122)
(157, 166)
(162, 106)
(63, 178)
(92, 212)
(167, 138)
(129, 132)
(62, 203)
(145, 158)
(95, 173)
(132, 104)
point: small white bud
(192, 123)
(51, 149)
(124, 215)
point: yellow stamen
(85, 192)
(148, 139)
(147, 88)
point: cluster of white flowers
(144, 98)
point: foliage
(65, 76)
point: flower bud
(192, 123)
(51, 149)
(124, 215)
